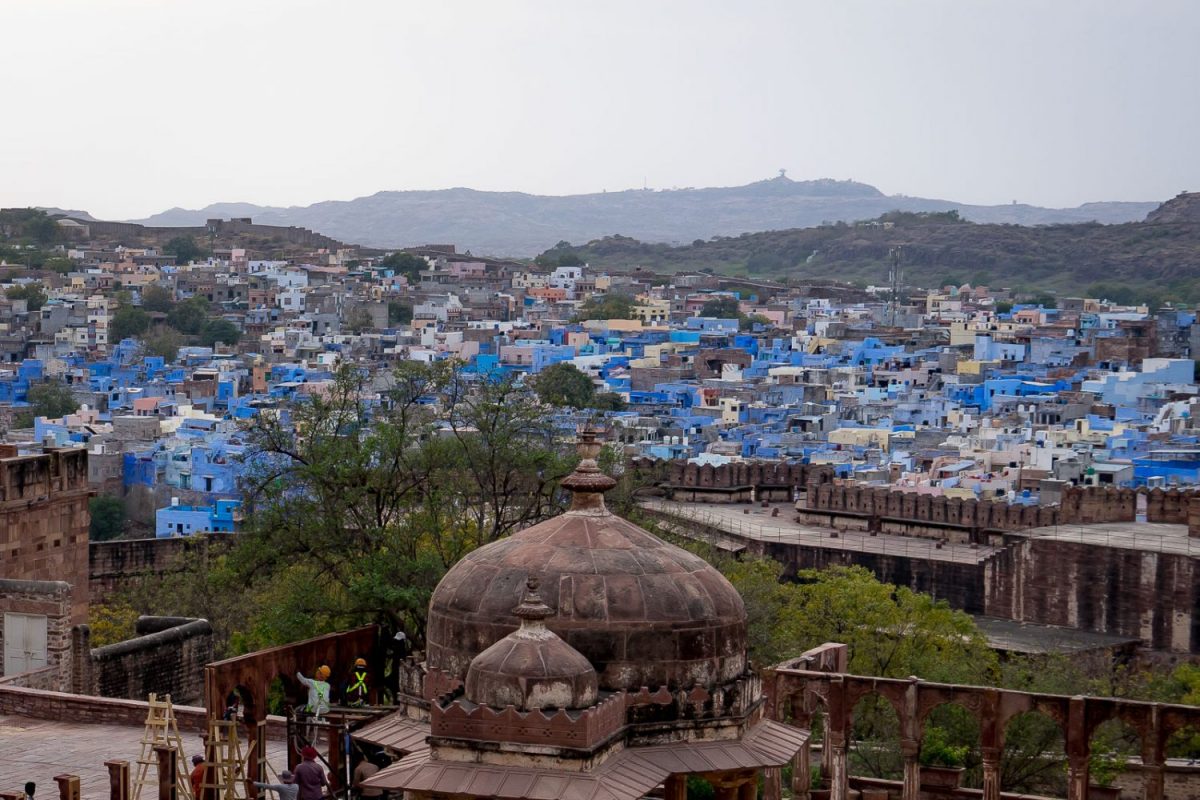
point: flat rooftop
(37, 750)
(759, 525)
(1146, 537)
(1028, 637)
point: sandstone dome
(643, 612)
(531, 668)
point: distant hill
(517, 224)
(1155, 260)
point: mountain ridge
(523, 224)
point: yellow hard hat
(322, 672)
(360, 662)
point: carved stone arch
(892, 692)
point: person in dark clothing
(356, 691)
(310, 776)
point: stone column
(1077, 777)
(68, 787)
(168, 777)
(772, 784)
(802, 761)
(675, 787)
(1152, 778)
(909, 749)
(840, 780)
(118, 780)
(991, 773)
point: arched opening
(1033, 756)
(951, 739)
(1184, 742)
(1114, 746)
(874, 739)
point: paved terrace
(1148, 537)
(759, 525)
(37, 750)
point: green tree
(43, 229)
(747, 322)
(108, 518)
(189, 316)
(611, 305)
(59, 264)
(50, 399)
(219, 330)
(32, 293)
(724, 307)
(359, 321)
(399, 313)
(355, 511)
(158, 298)
(129, 321)
(185, 249)
(406, 264)
(165, 342)
(563, 384)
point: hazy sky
(127, 107)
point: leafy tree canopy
(723, 307)
(405, 264)
(129, 321)
(51, 399)
(158, 298)
(108, 518)
(189, 316)
(219, 330)
(607, 306)
(185, 249)
(32, 293)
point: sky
(124, 108)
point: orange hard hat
(360, 662)
(322, 672)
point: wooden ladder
(226, 771)
(161, 730)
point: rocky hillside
(1156, 260)
(516, 224)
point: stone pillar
(802, 761)
(1152, 781)
(675, 787)
(772, 784)
(118, 780)
(840, 780)
(168, 777)
(802, 773)
(991, 773)
(1077, 777)
(909, 749)
(1079, 749)
(68, 787)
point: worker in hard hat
(318, 697)
(356, 689)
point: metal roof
(627, 775)
(396, 732)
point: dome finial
(587, 483)
(532, 609)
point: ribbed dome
(531, 668)
(643, 612)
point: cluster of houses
(955, 391)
